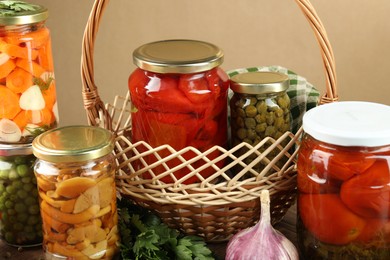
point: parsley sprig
(13, 7)
(145, 237)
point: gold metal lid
(73, 144)
(15, 149)
(177, 56)
(259, 82)
(20, 12)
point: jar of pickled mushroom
(179, 98)
(28, 104)
(75, 172)
(259, 108)
(20, 221)
(344, 182)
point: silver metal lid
(15, 149)
(19, 13)
(73, 144)
(178, 56)
(259, 82)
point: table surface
(286, 226)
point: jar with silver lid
(75, 172)
(259, 107)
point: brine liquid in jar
(344, 182)
(20, 221)
(28, 102)
(76, 184)
(179, 98)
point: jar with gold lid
(179, 98)
(75, 172)
(343, 182)
(259, 108)
(28, 104)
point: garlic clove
(261, 241)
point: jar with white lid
(28, 102)
(344, 182)
(75, 172)
(179, 98)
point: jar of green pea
(20, 221)
(260, 108)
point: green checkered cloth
(303, 95)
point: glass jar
(179, 98)
(75, 172)
(28, 104)
(259, 108)
(344, 182)
(20, 222)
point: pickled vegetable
(344, 199)
(27, 90)
(180, 110)
(21, 223)
(254, 117)
(79, 210)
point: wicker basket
(221, 205)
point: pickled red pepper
(27, 87)
(180, 110)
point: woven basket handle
(95, 108)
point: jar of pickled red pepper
(75, 173)
(179, 97)
(259, 108)
(28, 103)
(20, 221)
(344, 182)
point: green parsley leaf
(13, 7)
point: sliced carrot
(9, 103)
(45, 57)
(30, 66)
(36, 39)
(19, 80)
(6, 68)
(20, 52)
(21, 120)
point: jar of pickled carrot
(344, 182)
(179, 98)
(75, 173)
(28, 104)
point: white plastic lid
(349, 123)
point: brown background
(251, 33)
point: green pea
(261, 107)
(9, 204)
(4, 174)
(22, 194)
(13, 175)
(240, 122)
(9, 237)
(31, 236)
(270, 118)
(22, 170)
(240, 112)
(17, 184)
(279, 112)
(269, 131)
(20, 207)
(18, 226)
(29, 187)
(260, 118)
(20, 160)
(252, 101)
(260, 127)
(251, 111)
(11, 212)
(33, 209)
(250, 123)
(31, 201)
(241, 133)
(33, 220)
(22, 218)
(251, 134)
(10, 189)
(26, 179)
(28, 229)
